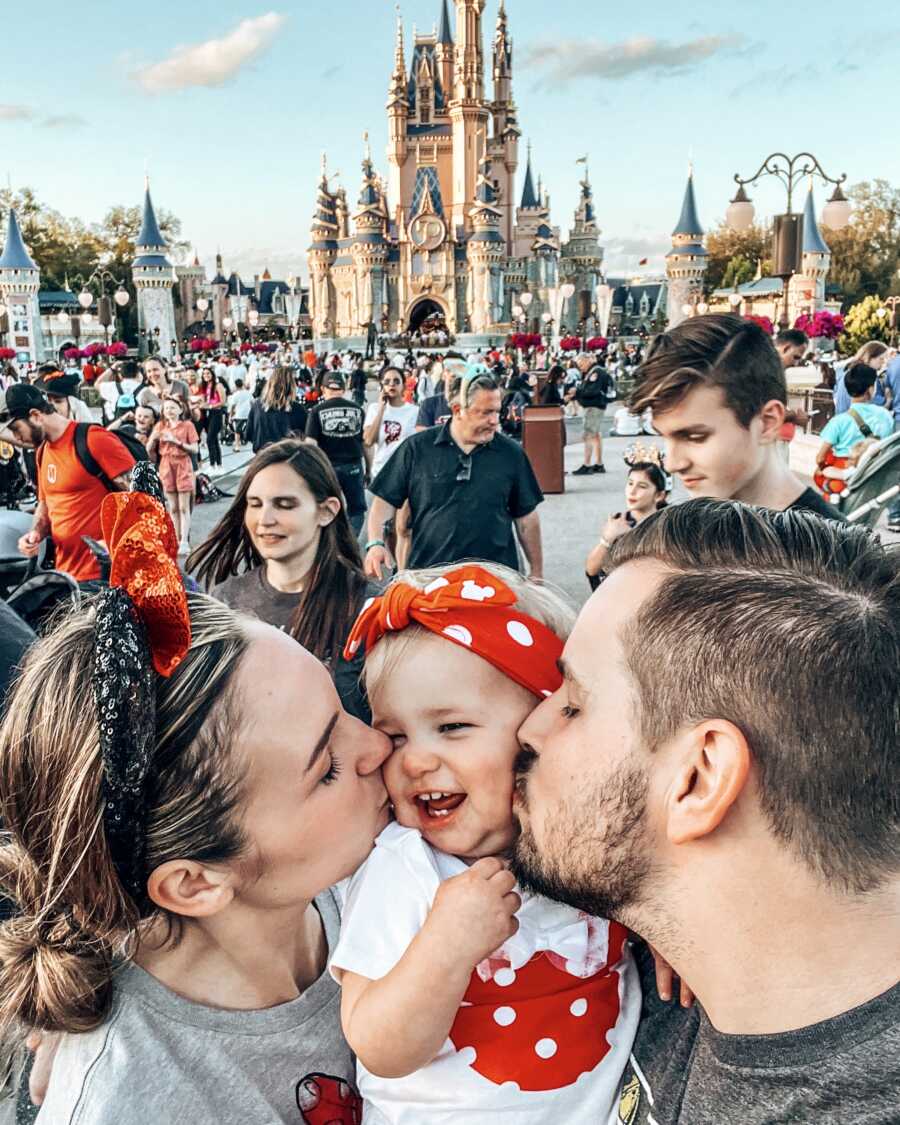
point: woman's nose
(376, 749)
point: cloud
(214, 62)
(16, 113)
(776, 79)
(64, 121)
(573, 59)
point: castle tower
(20, 280)
(219, 286)
(468, 109)
(191, 285)
(320, 258)
(398, 115)
(153, 278)
(504, 147)
(582, 259)
(806, 290)
(486, 249)
(369, 249)
(444, 51)
(686, 262)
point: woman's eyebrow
(322, 743)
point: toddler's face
(452, 719)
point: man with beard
(705, 778)
(69, 497)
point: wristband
(374, 543)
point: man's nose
(531, 732)
(675, 460)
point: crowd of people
(343, 814)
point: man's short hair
(711, 351)
(463, 387)
(859, 379)
(788, 626)
(792, 336)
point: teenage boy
(717, 390)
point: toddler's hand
(475, 911)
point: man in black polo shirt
(335, 424)
(467, 485)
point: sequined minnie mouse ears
(142, 629)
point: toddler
(461, 997)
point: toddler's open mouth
(436, 805)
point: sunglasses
(464, 471)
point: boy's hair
(859, 379)
(711, 351)
(788, 626)
(792, 336)
(535, 599)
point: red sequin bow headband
(474, 609)
(142, 546)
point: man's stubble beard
(596, 855)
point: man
(594, 394)
(791, 345)
(434, 410)
(69, 497)
(239, 403)
(709, 777)
(718, 394)
(62, 392)
(335, 424)
(468, 485)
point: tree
(862, 323)
(732, 252)
(865, 255)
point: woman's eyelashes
(332, 772)
(569, 712)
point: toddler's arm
(398, 1023)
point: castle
(441, 240)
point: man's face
(61, 403)
(480, 420)
(29, 430)
(790, 354)
(708, 447)
(585, 785)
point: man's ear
(191, 889)
(772, 418)
(713, 766)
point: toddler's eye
(449, 728)
(570, 712)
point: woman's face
(392, 385)
(315, 800)
(282, 516)
(641, 494)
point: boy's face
(452, 719)
(712, 453)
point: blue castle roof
(529, 196)
(813, 242)
(150, 233)
(15, 256)
(688, 223)
(444, 36)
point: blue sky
(91, 93)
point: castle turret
(398, 116)
(581, 261)
(486, 249)
(687, 261)
(153, 278)
(468, 110)
(806, 290)
(320, 258)
(370, 249)
(504, 146)
(20, 280)
(191, 287)
(219, 286)
(444, 51)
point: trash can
(544, 440)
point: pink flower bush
(7, 353)
(570, 343)
(597, 344)
(117, 349)
(822, 325)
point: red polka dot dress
(546, 1026)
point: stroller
(875, 483)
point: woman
(876, 355)
(174, 441)
(285, 552)
(645, 493)
(197, 928)
(277, 413)
(388, 423)
(552, 392)
(213, 396)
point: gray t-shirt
(842, 1071)
(160, 1058)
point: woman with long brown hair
(285, 552)
(278, 413)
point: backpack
(125, 402)
(89, 462)
(869, 439)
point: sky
(228, 105)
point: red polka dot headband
(474, 609)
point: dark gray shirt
(842, 1071)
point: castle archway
(423, 310)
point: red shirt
(73, 495)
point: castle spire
(15, 256)
(813, 242)
(529, 198)
(445, 36)
(688, 223)
(150, 235)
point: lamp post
(202, 306)
(890, 303)
(734, 299)
(695, 306)
(227, 322)
(106, 306)
(252, 320)
(525, 300)
(787, 251)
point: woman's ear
(190, 889)
(328, 510)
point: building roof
(55, 298)
(426, 51)
(150, 233)
(529, 196)
(444, 36)
(15, 256)
(813, 242)
(427, 182)
(688, 223)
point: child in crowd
(175, 440)
(462, 997)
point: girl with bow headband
(462, 995)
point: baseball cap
(334, 382)
(19, 399)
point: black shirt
(809, 500)
(456, 519)
(434, 411)
(337, 425)
(267, 426)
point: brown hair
(280, 391)
(711, 351)
(334, 590)
(788, 626)
(56, 956)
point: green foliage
(865, 255)
(738, 270)
(862, 323)
(733, 251)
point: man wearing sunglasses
(468, 486)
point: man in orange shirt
(69, 497)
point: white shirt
(546, 1027)
(396, 426)
(626, 423)
(239, 403)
